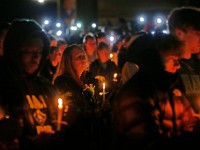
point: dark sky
(11, 9)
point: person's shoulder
(111, 62)
(44, 80)
(186, 68)
(63, 79)
(94, 63)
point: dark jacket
(48, 71)
(28, 102)
(122, 57)
(148, 109)
(106, 70)
(189, 82)
(83, 126)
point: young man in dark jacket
(184, 23)
(28, 102)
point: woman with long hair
(78, 113)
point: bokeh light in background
(138, 15)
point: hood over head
(142, 52)
(19, 31)
(148, 50)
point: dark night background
(11, 9)
(86, 9)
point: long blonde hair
(65, 66)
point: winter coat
(150, 111)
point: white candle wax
(104, 87)
(60, 111)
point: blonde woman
(78, 111)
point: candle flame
(60, 103)
(115, 75)
(111, 55)
(104, 85)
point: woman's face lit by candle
(79, 61)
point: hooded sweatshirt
(27, 101)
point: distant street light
(142, 19)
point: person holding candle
(81, 117)
(184, 23)
(27, 100)
(149, 111)
(103, 66)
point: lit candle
(115, 77)
(60, 111)
(111, 55)
(104, 87)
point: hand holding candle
(104, 96)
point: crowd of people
(142, 92)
